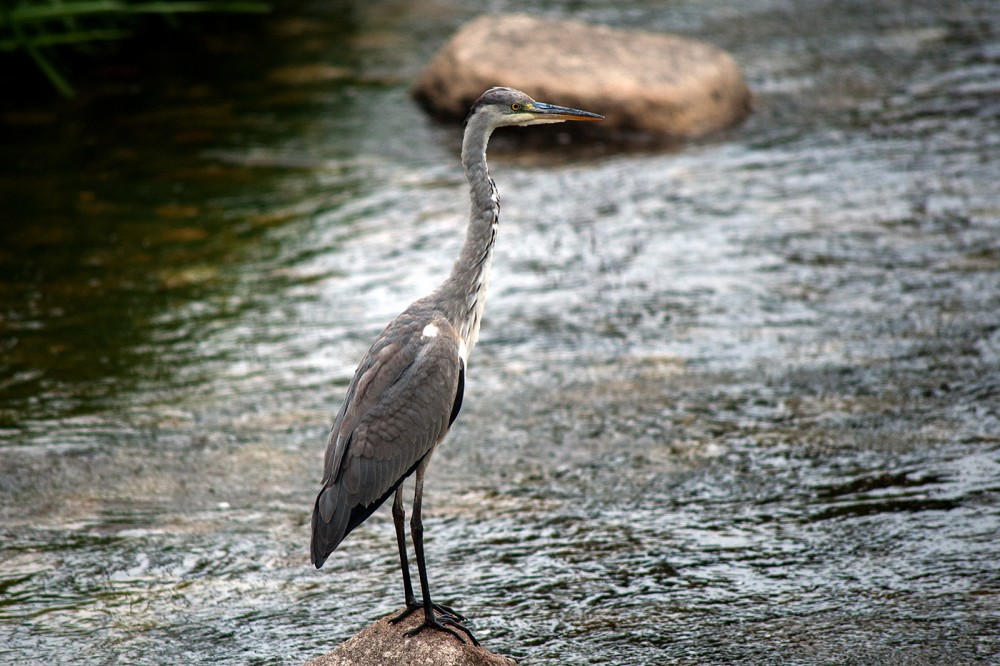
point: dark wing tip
(325, 536)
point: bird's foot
(446, 611)
(444, 623)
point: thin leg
(439, 622)
(399, 520)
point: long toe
(448, 611)
(444, 623)
(445, 611)
(452, 622)
(404, 614)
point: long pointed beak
(551, 112)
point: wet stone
(385, 644)
(651, 82)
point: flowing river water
(735, 401)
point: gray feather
(397, 409)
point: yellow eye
(515, 107)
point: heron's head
(499, 107)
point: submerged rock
(662, 84)
(385, 644)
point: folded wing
(404, 396)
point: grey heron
(408, 388)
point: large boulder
(657, 83)
(385, 644)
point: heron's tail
(329, 524)
(335, 515)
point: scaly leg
(399, 520)
(432, 621)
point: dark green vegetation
(41, 29)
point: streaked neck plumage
(463, 294)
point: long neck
(463, 294)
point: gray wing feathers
(397, 409)
(334, 522)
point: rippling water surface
(735, 401)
